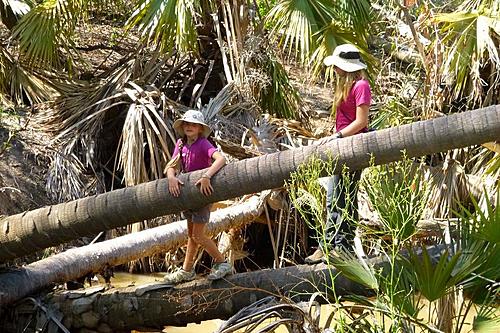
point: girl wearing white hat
(351, 102)
(194, 152)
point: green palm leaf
(487, 319)
(355, 269)
(433, 281)
(471, 39)
(279, 98)
(480, 241)
(19, 84)
(355, 14)
(171, 24)
(295, 23)
(488, 222)
(47, 28)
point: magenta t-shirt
(196, 156)
(346, 111)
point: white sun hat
(195, 117)
(346, 57)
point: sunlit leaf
(46, 28)
(470, 40)
(20, 84)
(170, 24)
(296, 24)
(350, 266)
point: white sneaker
(220, 270)
(179, 276)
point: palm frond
(144, 128)
(219, 103)
(355, 14)
(46, 29)
(474, 5)
(432, 280)
(11, 11)
(67, 180)
(268, 83)
(471, 47)
(493, 169)
(479, 240)
(280, 98)
(18, 8)
(76, 120)
(488, 222)
(20, 84)
(487, 319)
(264, 136)
(299, 25)
(294, 22)
(170, 24)
(125, 109)
(448, 185)
(355, 269)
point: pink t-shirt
(195, 156)
(346, 112)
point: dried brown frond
(91, 115)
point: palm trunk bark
(31, 231)
(78, 262)
(153, 306)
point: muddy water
(204, 327)
(121, 280)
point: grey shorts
(201, 215)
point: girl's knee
(199, 238)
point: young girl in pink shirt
(351, 103)
(196, 153)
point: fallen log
(153, 306)
(31, 231)
(77, 262)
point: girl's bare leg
(192, 247)
(206, 242)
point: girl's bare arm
(204, 182)
(218, 163)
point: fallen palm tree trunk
(153, 306)
(78, 262)
(31, 231)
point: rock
(82, 305)
(104, 328)
(90, 319)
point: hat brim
(348, 65)
(178, 127)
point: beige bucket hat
(346, 57)
(195, 117)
